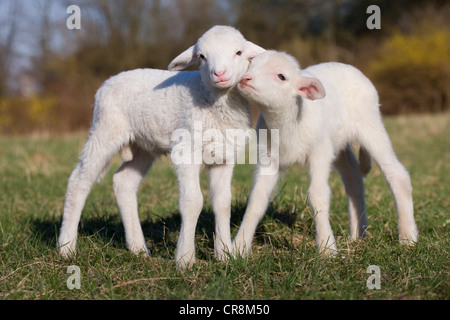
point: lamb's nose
(219, 73)
(246, 79)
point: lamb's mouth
(222, 83)
(245, 86)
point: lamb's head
(224, 56)
(274, 79)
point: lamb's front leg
(190, 203)
(319, 195)
(256, 208)
(220, 191)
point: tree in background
(412, 66)
(68, 66)
(8, 27)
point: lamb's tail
(364, 161)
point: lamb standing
(137, 112)
(320, 132)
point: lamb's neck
(281, 117)
(293, 141)
(228, 103)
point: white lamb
(137, 112)
(320, 132)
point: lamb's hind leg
(94, 162)
(126, 183)
(348, 167)
(376, 141)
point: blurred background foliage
(49, 74)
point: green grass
(284, 263)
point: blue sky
(26, 17)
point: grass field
(284, 263)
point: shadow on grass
(160, 232)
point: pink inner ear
(307, 90)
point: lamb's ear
(310, 88)
(252, 50)
(184, 60)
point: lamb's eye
(202, 57)
(281, 77)
(239, 53)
